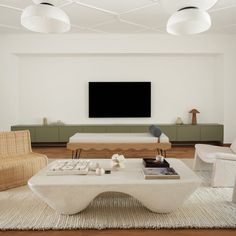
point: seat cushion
(113, 138)
(208, 153)
(16, 171)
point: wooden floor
(177, 152)
(62, 152)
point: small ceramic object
(160, 158)
(100, 171)
(45, 121)
(93, 166)
(178, 121)
(59, 122)
(117, 162)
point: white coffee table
(72, 194)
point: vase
(178, 121)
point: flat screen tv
(119, 99)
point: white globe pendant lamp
(189, 20)
(45, 17)
(188, 16)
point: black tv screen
(119, 99)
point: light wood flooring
(177, 152)
(62, 152)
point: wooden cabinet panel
(118, 129)
(95, 129)
(212, 133)
(170, 131)
(65, 132)
(139, 128)
(188, 133)
(47, 134)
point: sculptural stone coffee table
(72, 194)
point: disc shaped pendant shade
(45, 18)
(188, 21)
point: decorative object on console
(188, 16)
(45, 17)
(155, 131)
(58, 122)
(45, 121)
(194, 113)
(117, 161)
(179, 121)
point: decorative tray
(153, 163)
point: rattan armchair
(17, 161)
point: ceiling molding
(135, 24)
(69, 2)
(139, 8)
(222, 8)
(139, 17)
(96, 8)
(11, 7)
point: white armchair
(234, 193)
(220, 160)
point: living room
(46, 88)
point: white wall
(48, 75)
(9, 89)
(179, 83)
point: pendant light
(189, 20)
(45, 17)
(188, 16)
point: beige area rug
(208, 207)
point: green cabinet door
(65, 132)
(139, 128)
(30, 128)
(95, 129)
(118, 129)
(170, 131)
(188, 133)
(47, 134)
(212, 133)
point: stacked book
(158, 169)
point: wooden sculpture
(194, 116)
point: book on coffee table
(160, 173)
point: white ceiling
(116, 16)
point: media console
(51, 134)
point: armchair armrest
(226, 156)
